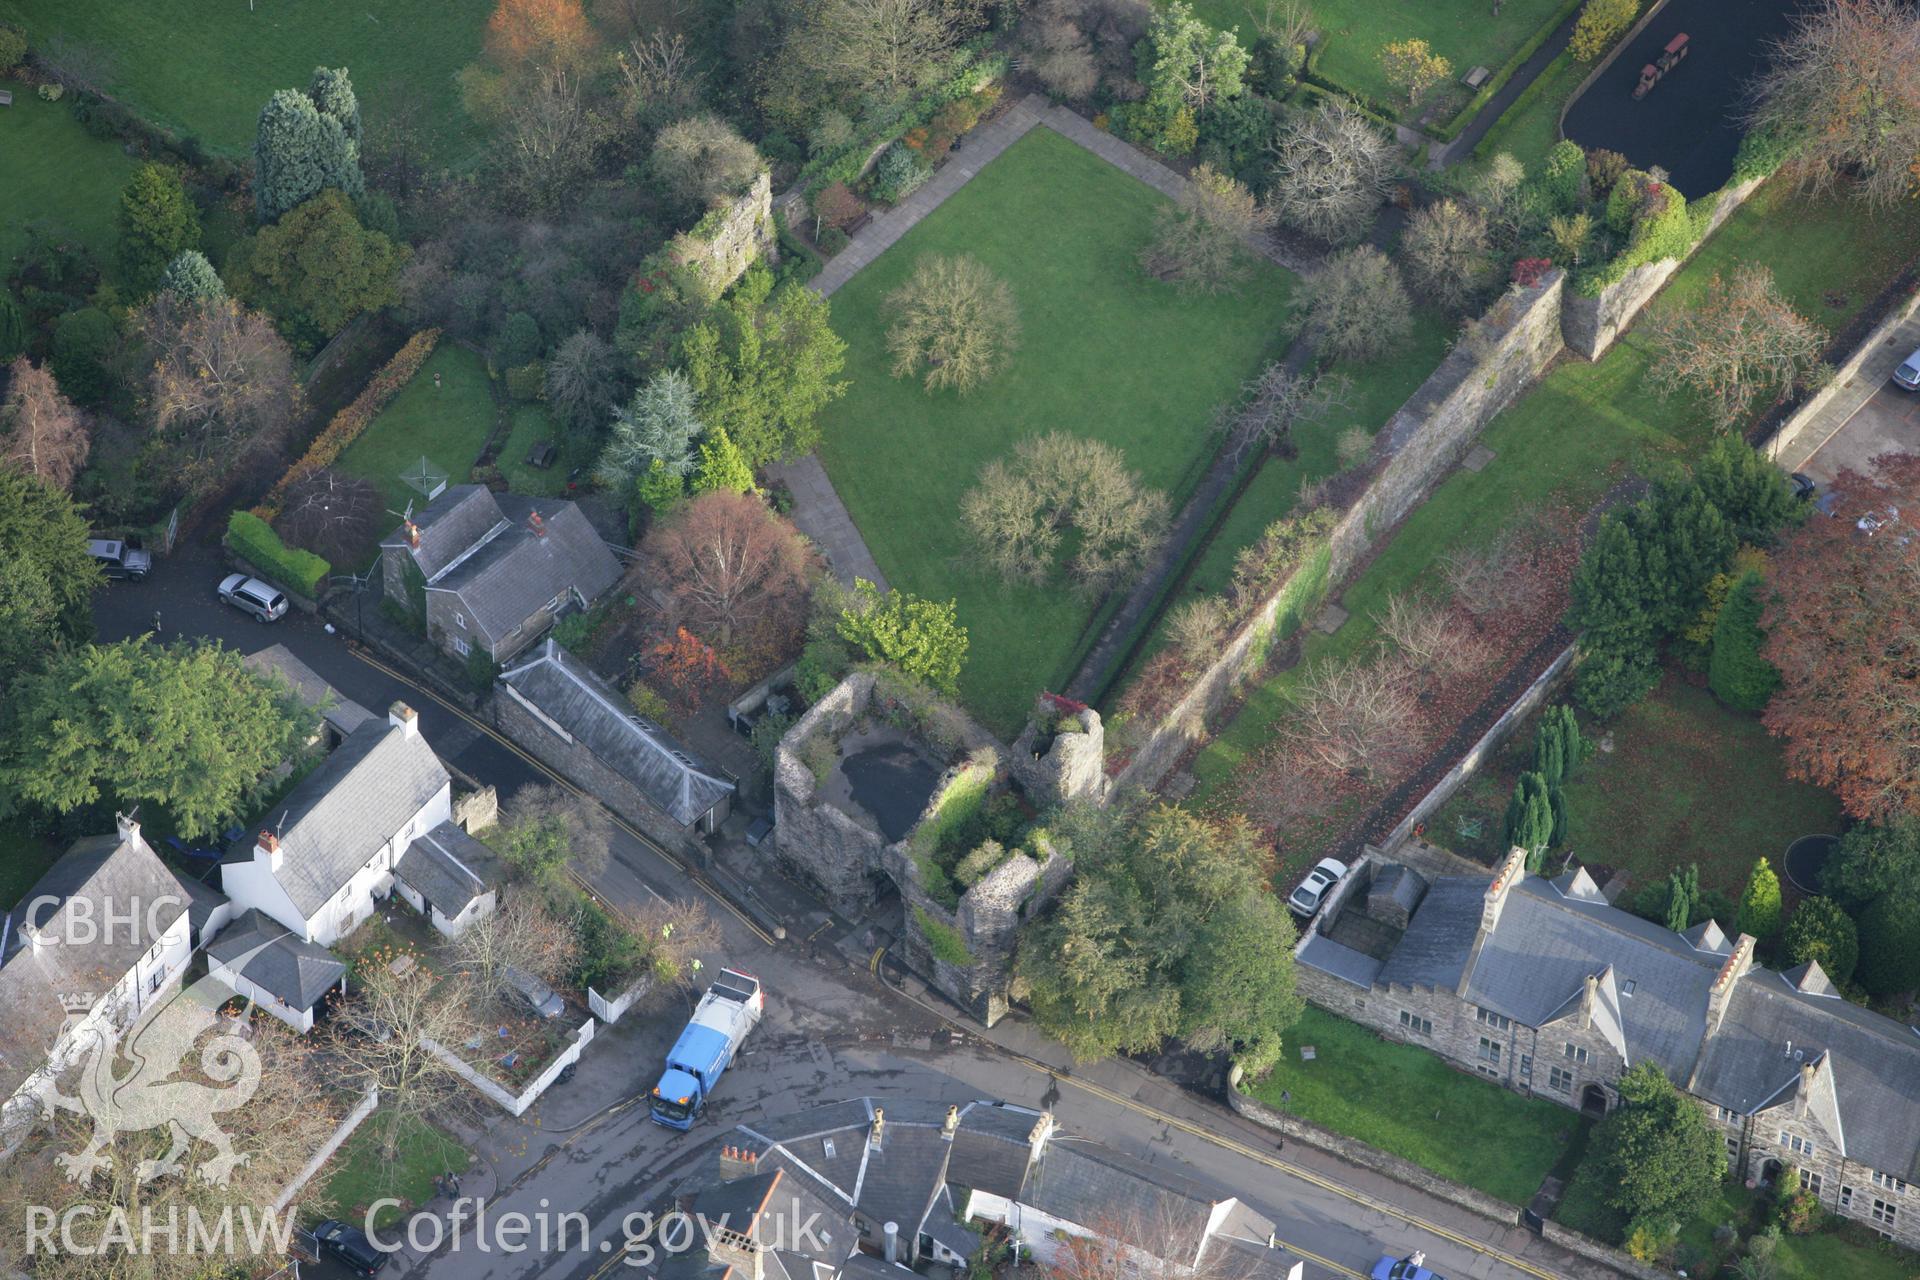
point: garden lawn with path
(208, 69)
(361, 1173)
(1465, 32)
(532, 424)
(1585, 427)
(1105, 353)
(1531, 126)
(449, 424)
(1688, 780)
(1405, 1100)
(58, 174)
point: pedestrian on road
(156, 623)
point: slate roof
(343, 713)
(1874, 1063)
(104, 873)
(1082, 1182)
(1343, 962)
(991, 1149)
(511, 574)
(586, 708)
(31, 1020)
(448, 525)
(297, 972)
(903, 1174)
(449, 867)
(1395, 885)
(1544, 946)
(202, 900)
(1434, 950)
(337, 816)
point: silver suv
(250, 595)
(118, 559)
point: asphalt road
(1889, 422)
(833, 1031)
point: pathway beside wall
(819, 513)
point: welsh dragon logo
(152, 1094)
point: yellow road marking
(664, 853)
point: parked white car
(263, 600)
(1908, 374)
(1307, 898)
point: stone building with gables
(1545, 987)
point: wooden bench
(6, 97)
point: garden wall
(1519, 337)
(1591, 325)
(729, 239)
(344, 1130)
(610, 1011)
(1786, 442)
(491, 1089)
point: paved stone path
(820, 514)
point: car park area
(1871, 414)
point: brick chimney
(1721, 993)
(1037, 1139)
(412, 532)
(738, 1162)
(953, 1123)
(1511, 872)
(879, 1128)
(404, 718)
(1809, 1074)
(269, 844)
(536, 524)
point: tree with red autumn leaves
(1843, 627)
(736, 571)
(687, 665)
(546, 33)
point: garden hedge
(254, 540)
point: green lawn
(449, 424)
(53, 171)
(1105, 353)
(361, 1173)
(1688, 780)
(1378, 389)
(24, 858)
(1408, 1101)
(1463, 31)
(531, 422)
(1588, 425)
(207, 69)
(1531, 125)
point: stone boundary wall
(730, 238)
(1423, 440)
(1592, 1250)
(1789, 431)
(1591, 325)
(492, 1090)
(343, 1131)
(1467, 765)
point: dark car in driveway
(348, 1245)
(118, 560)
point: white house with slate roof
(488, 573)
(1540, 984)
(376, 815)
(884, 1186)
(261, 959)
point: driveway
(1889, 422)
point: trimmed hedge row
(352, 420)
(298, 571)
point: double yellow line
(664, 853)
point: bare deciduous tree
(550, 137)
(1493, 577)
(1284, 22)
(1197, 627)
(549, 826)
(1448, 253)
(675, 934)
(884, 47)
(1018, 511)
(1743, 340)
(1331, 171)
(222, 381)
(1075, 45)
(703, 159)
(42, 434)
(1431, 637)
(955, 319)
(333, 514)
(732, 566)
(1150, 1240)
(521, 933)
(1276, 401)
(382, 1042)
(1354, 717)
(1200, 242)
(1843, 93)
(660, 76)
(1357, 309)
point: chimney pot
(405, 718)
(879, 1125)
(953, 1121)
(269, 844)
(535, 523)
(413, 534)
(128, 829)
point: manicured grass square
(362, 1174)
(1408, 1101)
(449, 424)
(1587, 426)
(531, 424)
(52, 171)
(1106, 353)
(207, 69)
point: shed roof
(1434, 950)
(299, 973)
(573, 701)
(449, 868)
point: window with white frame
(1526, 1066)
(461, 647)
(1489, 1018)
(1810, 1181)
(1576, 1053)
(460, 620)
(1490, 1051)
(1560, 1080)
(1795, 1143)
(1416, 1024)
(1733, 1148)
(1888, 1182)
(1846, 1197)
(1884, 1212)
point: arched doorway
(1593, 1101)
(1769, 1173)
